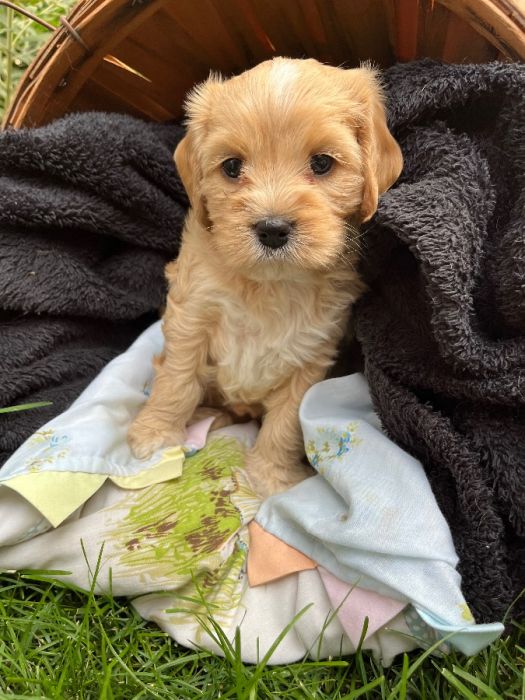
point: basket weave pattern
(141, 56)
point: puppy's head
(283, 160)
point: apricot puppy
(281, 164)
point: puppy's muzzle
(273, 232)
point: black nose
(274, 232)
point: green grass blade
(25, 406)
(283, 634)
(417, 663)
(9, 55)
(458, 685)
(42, 574)
(264, 661)
(364, 689)
(404, 678)
(489, 692)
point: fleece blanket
(91, 208)
(443, 326)
(360, 551)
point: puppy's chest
(253, 348)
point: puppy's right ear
(188, 154)
(189, 171)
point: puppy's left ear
(382, 160)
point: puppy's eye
(321, 163)
(232, 167)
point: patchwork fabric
(362, 544)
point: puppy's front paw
(144, 439)
(267, 478)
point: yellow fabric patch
(168, 467)
(465, 613)
(56, 494)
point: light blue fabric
(91, 435)
(370, 516)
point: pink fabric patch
(353, 604)
(197, 433)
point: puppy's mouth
(276, 263)
(264, 254)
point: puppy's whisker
(356, 246)
(358, 235)
(354, 238)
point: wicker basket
(140, 57)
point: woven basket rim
(64, 62)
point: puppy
(281, 164)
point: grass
(60, 643)
(20, 39)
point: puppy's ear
(189, 171)
(382, 159)
(188, 154)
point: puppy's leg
(274, 463)
(178, 384)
